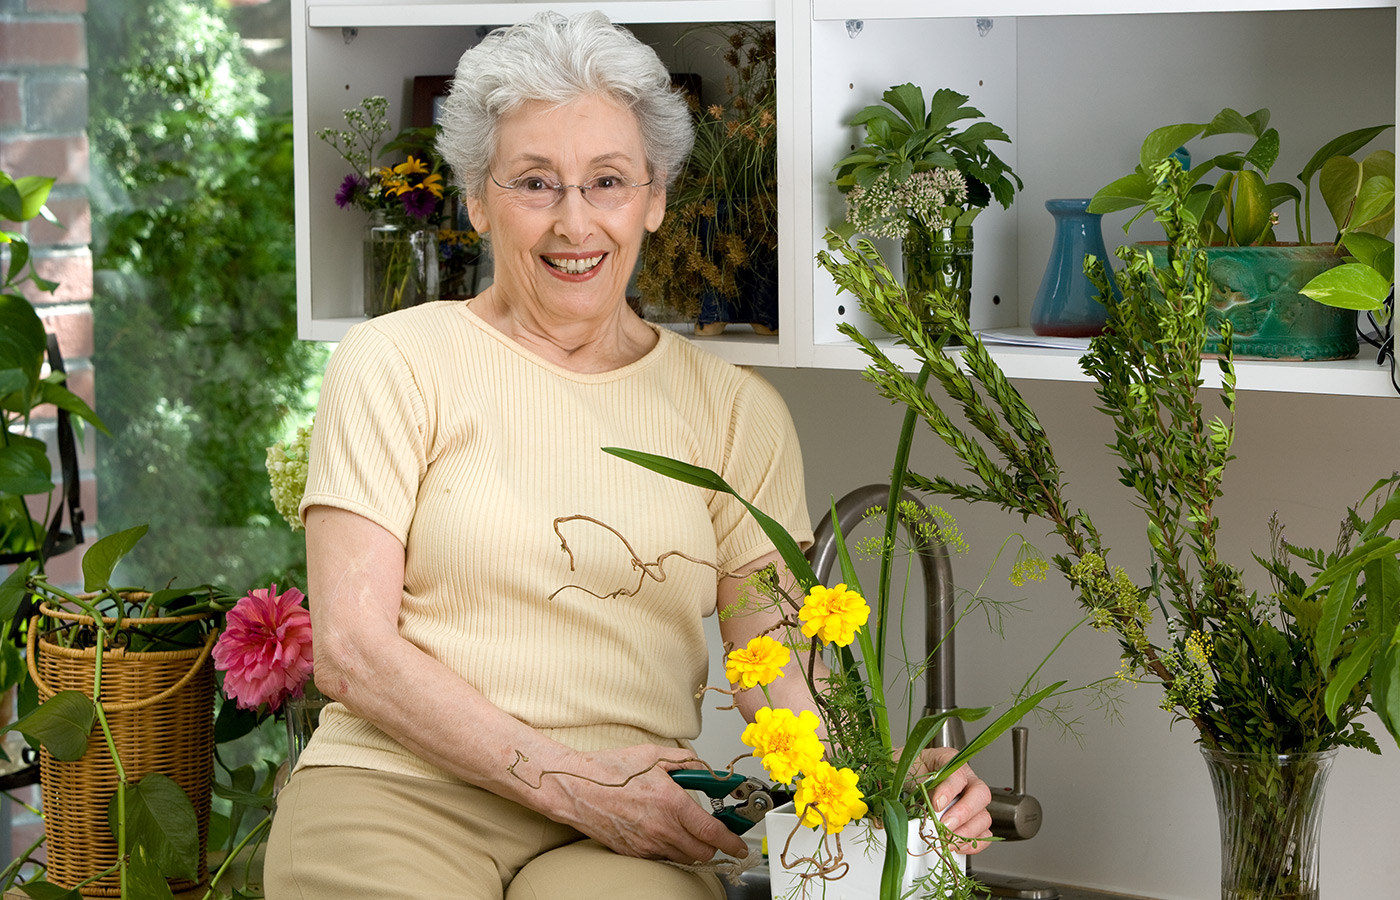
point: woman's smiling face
(570, 260)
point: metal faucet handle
(1016, 815)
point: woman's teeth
(574, 266)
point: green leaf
(44, 890)
(161, 820)
(995, 730)
(1349, 286)
(1375, 199)
(1336, 616)
(1264, 152)
(55, 393)
(1385, 687)
(144, 879)
(1366, 247)
(1161, 142)
(102, 557)
(1350, 671)
(896, 822)
(11, 202)
(702, 477)
(14, 589)
(34, 191)
(1124, 193)
(1249, 215)
(22, 337)
(908, 100)
(925, 730)
(1229, 121)
(232, 723)
(61, 723)
(1344, 145)
(25, 467)
(245, 797)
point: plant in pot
(1361, 198)
(714, 259)
(918, 179)
(1272, 681)
(863, 822)
(1256, 279)
(126, 777)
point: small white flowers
(887, 207)
(286, 471)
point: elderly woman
(500, 730)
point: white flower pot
(862, 848)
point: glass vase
(401, 263)
(1270, 810)
(938, 261)
(303, 715)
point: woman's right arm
(356, 571)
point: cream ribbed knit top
(467, 446)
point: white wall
(1130, 807)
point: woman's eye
(606, 182)
(532, 184)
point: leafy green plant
(1361, 198)
(152, 819)
(904, 136)
(1236, 664)
(1238, 208)
(25, 469)
(722, 212)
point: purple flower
(349, 188)
(419, 204)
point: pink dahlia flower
(265, 650)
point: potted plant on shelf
(714, 260)
(1257, 280)
(1273, 682)
(918, 179)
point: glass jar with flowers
(918, 179)
(1273, 682)
(405, 203)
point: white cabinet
(1076, 83)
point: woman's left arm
(743, 622)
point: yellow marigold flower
(833, 614)
(828, 795)
(786, 744)
(760, 662)
(414, 166)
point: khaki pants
(343, 833)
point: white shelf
(823, 10)
(342, 14)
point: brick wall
(43, 131)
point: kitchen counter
(755, 887)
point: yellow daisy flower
(414, 166)
(829, 795)
(833, 614)
(759, 663)
(786, 744)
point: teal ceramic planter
(1256, 290)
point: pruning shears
(754, 797)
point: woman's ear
(656, 205)
(476, 212)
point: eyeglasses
(602, 191)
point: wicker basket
(160, 708)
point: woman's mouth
(573, 265)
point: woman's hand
(967, 816)
(649, 816)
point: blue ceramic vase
(1066, 305)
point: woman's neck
(587, 346)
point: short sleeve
(763, 462)
(369, 447)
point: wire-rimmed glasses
(601, 191)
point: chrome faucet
(1015, 814)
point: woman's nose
(574, 216)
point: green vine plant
(1287, 671)
(152, 819)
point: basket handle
(45, 692)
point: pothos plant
(152, 819)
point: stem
(116, 760)
(901, 465)
(875, 676)
(11, 872)
(265, 824)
